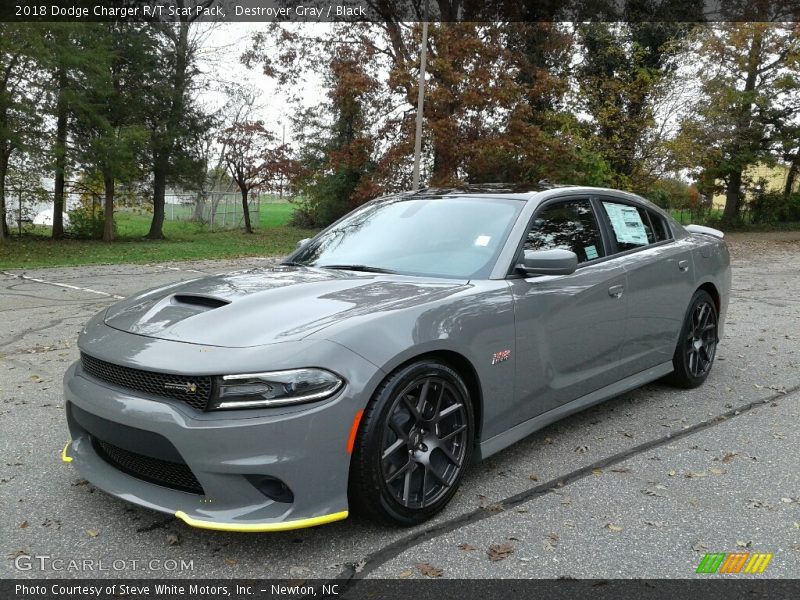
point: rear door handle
(683, 265)
(615, 291)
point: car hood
(264, 306)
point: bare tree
(253, 159)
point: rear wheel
(414, 444)
(697, 346)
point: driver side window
(568, 225)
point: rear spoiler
(705, 230)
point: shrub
(86, 222)
(775, 207)
(303, 216)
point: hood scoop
(206, 302)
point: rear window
(634, 226)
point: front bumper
(305, 447)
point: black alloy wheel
(414, 444)
(697, 346)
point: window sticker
(591, 252)
(628, 225)
(483, 240)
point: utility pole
(423, 52)
(283, 143)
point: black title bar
(733, 588)
(398, 10)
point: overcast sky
(223, 46)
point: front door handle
(683, 265)
(615, 291)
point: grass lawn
(185, 241)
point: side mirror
(548, 262)
(302, 243)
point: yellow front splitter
(261, 527)
(64, 457)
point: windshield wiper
(364, 268)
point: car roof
(519, 191)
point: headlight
(275, 388)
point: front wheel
(413, 445)
(697, 345)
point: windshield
(441, 237)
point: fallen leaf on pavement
(173, 539)
(92, 532)
(551, 541)
(23, 525)
(612, 527)
(429, 570)
(467, 547)
(498, 552)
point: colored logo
(189, 388)
(734, 562)
(501, 356)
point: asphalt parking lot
(641, 486)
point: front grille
(169, 474)
(193, 390)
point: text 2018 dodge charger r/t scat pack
(419, 332)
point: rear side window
(660, 229)
(631, 226)
(568, 225)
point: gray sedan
(418, 333)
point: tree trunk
(246, 211)
(60, 152)
(791, 176)
(108, 209)
(160, 167)
(732, 199)
(4, 233)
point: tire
(409, 458)
(697, 345)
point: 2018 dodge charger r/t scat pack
(418, 333)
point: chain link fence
(217, 210)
